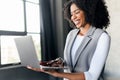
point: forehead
(73, 7)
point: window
(18, 18)
(11, 16)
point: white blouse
(76, 44)
(99, 56)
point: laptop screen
(27, 52)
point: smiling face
(77, 16)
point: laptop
(27, 52)
(28, 55)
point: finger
(35, 69)
(29, 67)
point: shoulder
(73, 31)
(105, 35)
(104, 39)
(71, 34)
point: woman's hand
(51, 72)
(70, 76)
(35, 69)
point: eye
(77, 11)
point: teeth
(76, 22)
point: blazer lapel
(85, 41)
(69, 46)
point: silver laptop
(28, 55)
(27, 52)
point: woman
(87, 45)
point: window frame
(17, 33)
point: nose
(73, 17)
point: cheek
(79, 16)
(83, 17)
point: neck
(83, 30)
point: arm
(99, 58)
(70, 76)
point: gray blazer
(85, 51)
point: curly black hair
(95, 11)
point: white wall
(112, 70)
